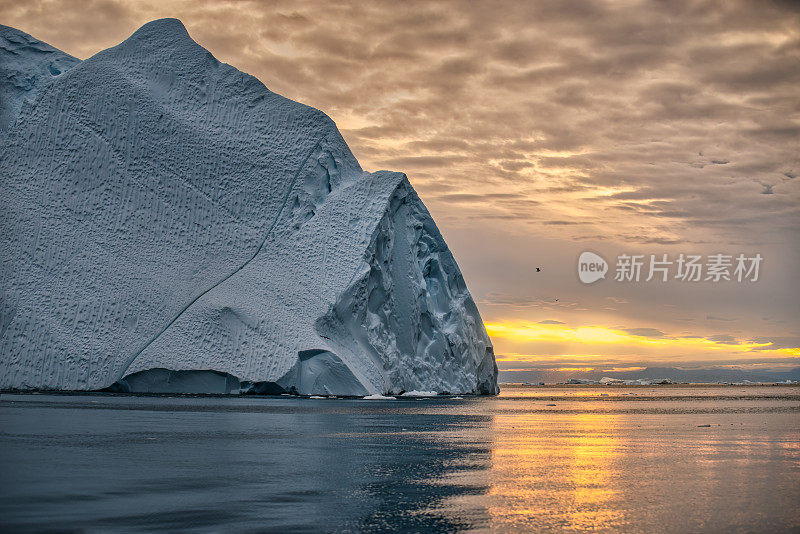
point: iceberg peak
(161, 40)
(167, 29)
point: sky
(535, 131)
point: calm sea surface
(532, 459)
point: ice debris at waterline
(169, 224)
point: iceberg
(171, 225)
(607, 381)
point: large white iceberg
(169, 224)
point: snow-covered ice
(26, 64)
(169, 224)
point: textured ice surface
(26, 65)
(164, 213)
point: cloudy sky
(535, 131)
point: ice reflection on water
(598, 459)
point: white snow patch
(415, 393)
(378, 396)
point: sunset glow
(587, 344)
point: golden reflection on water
(675, 459)
(577, 461)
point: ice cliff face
(169, 224)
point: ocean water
(655, 459)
